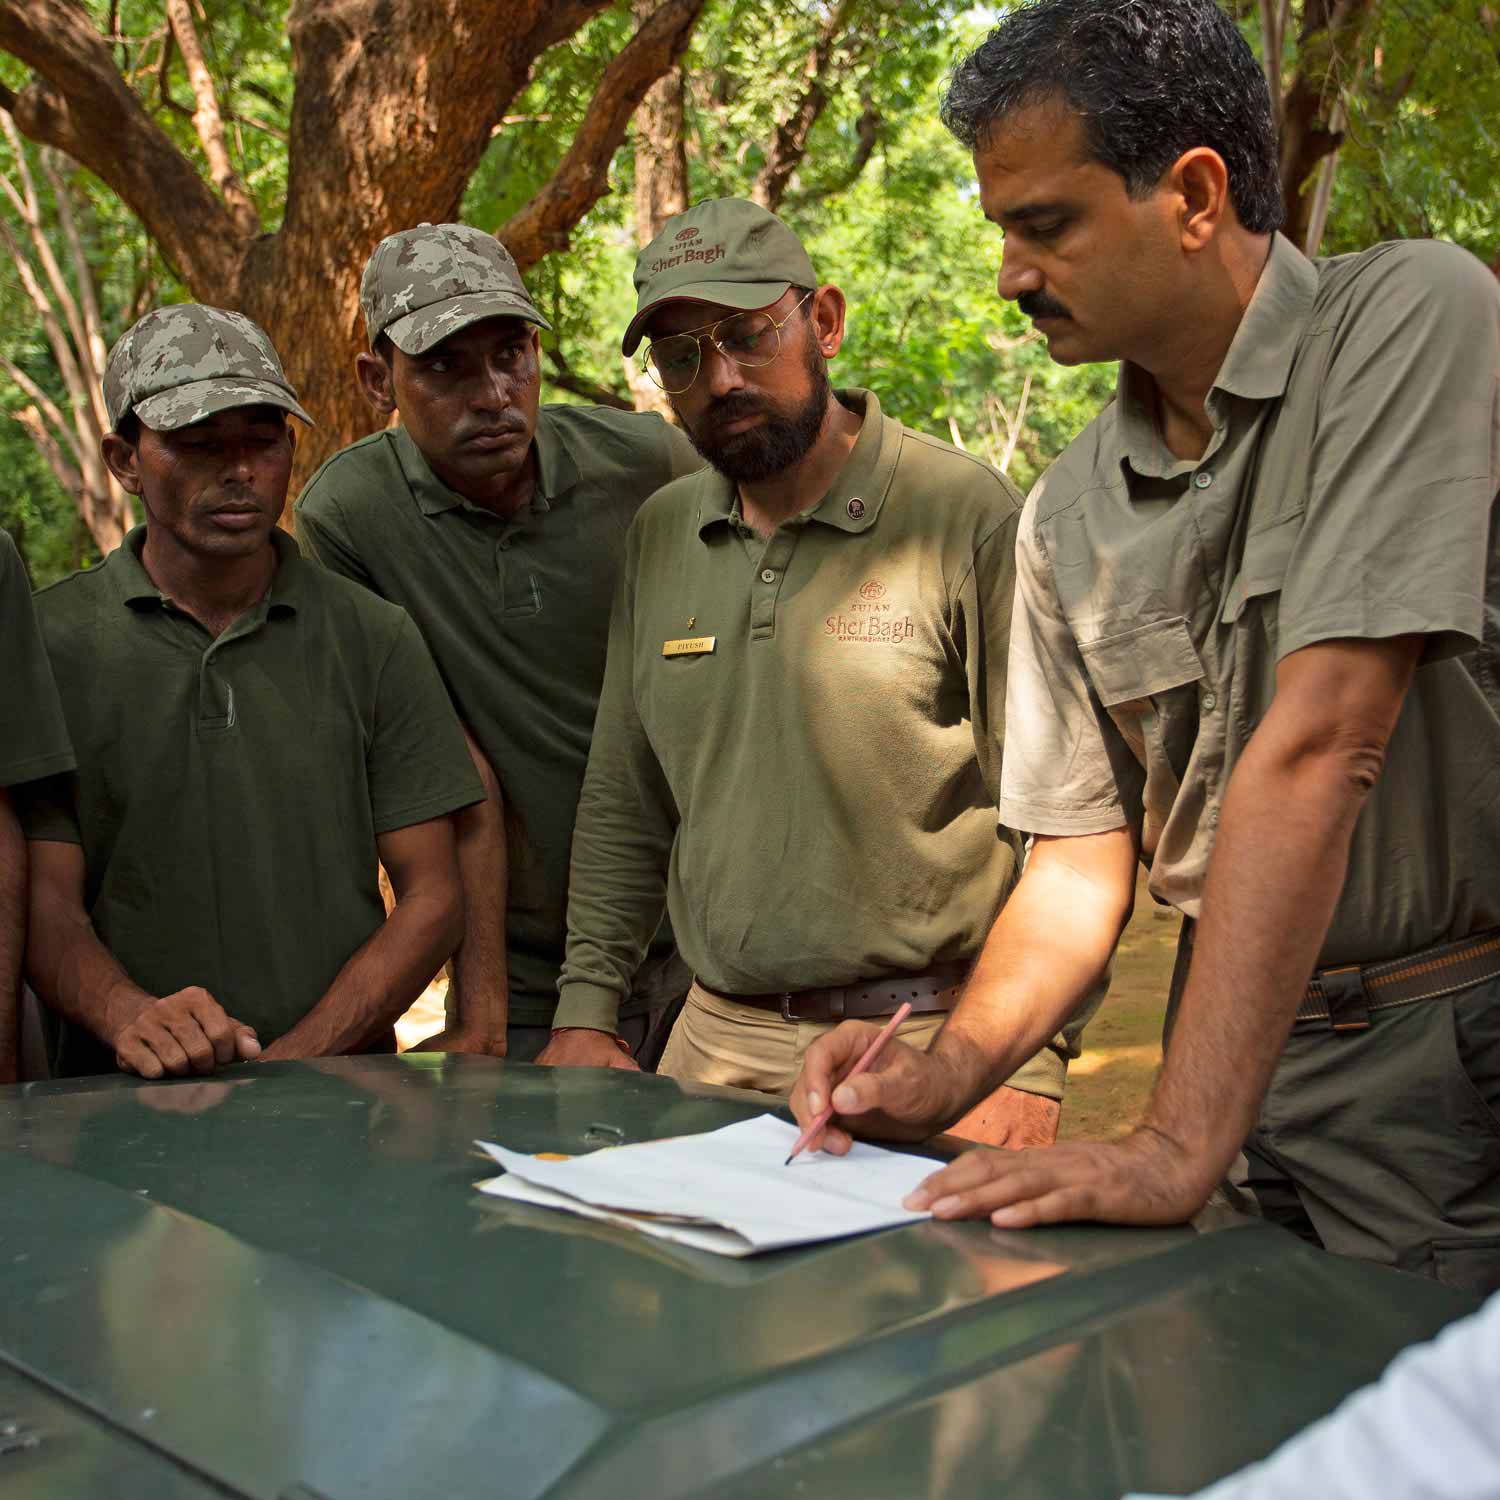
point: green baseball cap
(180, 364)
(727, 251)
(423, 284)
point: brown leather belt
(934, 989)
(1344, 997)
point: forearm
(380, 981)
(479, 999)
(12, 936)
(1277, 869)
(1048, 949)
(75, 974)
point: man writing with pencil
(798, 744)
(1255, 644)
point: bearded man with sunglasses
(799, 739)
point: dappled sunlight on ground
(1109, 1084)
(425, 1017)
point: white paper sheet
(727, 1191)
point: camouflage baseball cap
(724, 250)
(180, 364)
(423, 284)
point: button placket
(767, 585)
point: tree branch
(208, 122)
(564, 378)
(582, 177)
(45, 406)
(789, 144)
(68, 478)
(867, 134)
(80, 104)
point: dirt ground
(1107, 1086)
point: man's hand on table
(184, 1032)
(581, 1047)
(1144, 1178)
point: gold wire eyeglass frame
(710, 331)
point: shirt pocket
(1143, 662)
(1267, 555)
(1148, 679)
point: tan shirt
(1348, 492)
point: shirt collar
(1256, 367)
(138, 591)
(557, 471)
(859, 489)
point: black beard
(783, 439)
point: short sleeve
(47, 809)
(33, 733)
(322, 532)
(418, 764)
(1405, 461)
(1058, 774)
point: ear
(827, 317)
(123, 461)
(376, 382)
(1200, 181)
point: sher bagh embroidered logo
(871, 619)
(688, 252)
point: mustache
(1040, 305)
(732, 408)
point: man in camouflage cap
(799, 740)
(253, 736)
(498, 524)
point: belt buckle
(786, 1006)
(1348, 1004)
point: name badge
(693, 645)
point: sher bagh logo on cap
(690, 233)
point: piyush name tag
(693, 645)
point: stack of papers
(727, 1191)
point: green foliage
(903, 237)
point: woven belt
(934, 989)
(1344, 997)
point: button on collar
(1203, 478)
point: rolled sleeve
(1406, 461)
(1058, 776)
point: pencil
(871, 1053)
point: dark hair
(1150, 79)
(129, 428)
(384, 348)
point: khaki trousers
(719, 1041)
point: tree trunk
(661, 189)
(1329, 45)
(395, 103)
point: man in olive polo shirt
(253, 736)
(1255, 640)
(800, 737)
(33, 743)
(498, 525)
